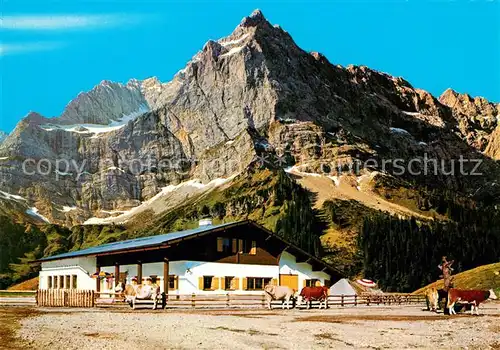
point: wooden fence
(88, 298)
(65, 298)
(258, 300)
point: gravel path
(394, 327)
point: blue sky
(52, 50)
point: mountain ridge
(253, 91)
(256, 128)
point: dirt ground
(388, 327)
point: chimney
(205, 222)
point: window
(247, 246)
(49, 282)
(61, 282)
(312, 282)
(223, 245)
(172, 282)
(67, 281)
(75, 285)
(257, 283)
(228, 283)
(253, 248)
(207, 282)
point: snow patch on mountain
(13, 197)
(66, 209)
(400, 131)
(233, 42)
(233, 51)
(97, 129)
(34, 212)
(187, 187)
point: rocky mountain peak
(34, 118)
(99, 105)
(470, 106)
(255, 18)
(253, 92)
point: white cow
(283, 293)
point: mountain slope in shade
(251, 96)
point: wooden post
(117, 273)
(227, 300)
(355, 300)
(139, 272)
(342, 300)
(166, 278)
(98, 280)
(193, 296)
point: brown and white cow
(473, 297)
(283, 293)
(135, 291)
(308, 294)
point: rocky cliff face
(477, 120)
(253, 96)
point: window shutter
(235, 246)
(253, 250)
(304, 283)
(245, 283)
(275, 282)
(223, 283)
(215, 283)
(220, 242)
(240, 245)
(200, 283)
(235, 283)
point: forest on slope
(400, 253)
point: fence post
(227, 299)
(342, 300)
(263, 301)
(193, 296)
(355, 300)
(368, 300)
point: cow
(308, 294)
(135, 291)
(283, 293)
(432, 298)
(473, 297)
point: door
(291, 281)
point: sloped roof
(165, 239)
(142, 242)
